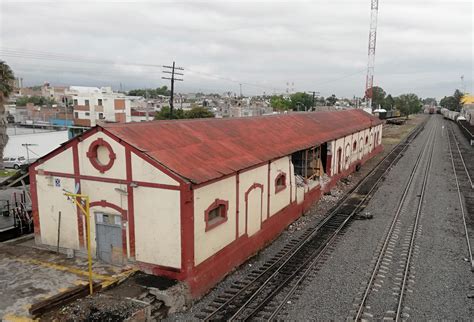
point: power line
(57, 57)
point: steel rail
(390, 231)
(329, 242)
(461, 203)
(462, 158)
(334, 212)
(406, 269)
(320, 252)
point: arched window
(216, 214)
(366, 139)
(280, 182)
(354, 146)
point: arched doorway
(253, 209)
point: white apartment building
(93, 105)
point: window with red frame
(280, 182)
(216, 214)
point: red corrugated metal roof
(204, 149)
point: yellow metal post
(89, 252)
(86, 211)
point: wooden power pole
(171, 70)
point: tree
(194, 113)
(150, 93)
(389, 102)
(378, 97)
(279, 103)
(301, 101)
(198, 113)
(331, 100)
(430, 101)
(164, 114)
(36, 100)
(408, 104)
(453, 103)
(458, 95)
(7, 79)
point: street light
(26, 145)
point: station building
(192, 199)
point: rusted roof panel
(204, 149)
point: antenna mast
(369, 83)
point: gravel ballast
(311, 219)
(440, 274)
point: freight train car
(384, 114)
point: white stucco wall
(362, 149)
(208, 243)
(51, 202)
(158, 226)
(246, 180)
(118, 170)
(62, 162)
(144, 171)
(281, 199)
(156, 210)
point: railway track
(265, 291)
(464, 186)
(406, 219)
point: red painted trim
(123, 213)
(79, 214)
(279, 188)
(93, 157)
(169, 272)
(254, 186)
(237, 204)
(130, 201)
(223, 216)
(268, 191)
(106, 204)
(187, 228)
(34, 201)
(205, 275)
(291, 185)
(111, 180)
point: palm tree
(7, 79)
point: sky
(423, 46)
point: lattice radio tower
(369, 83)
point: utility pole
(171, 70)
(146, 106)
(314, 96)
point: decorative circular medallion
(101, 155)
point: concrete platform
(29, 275)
